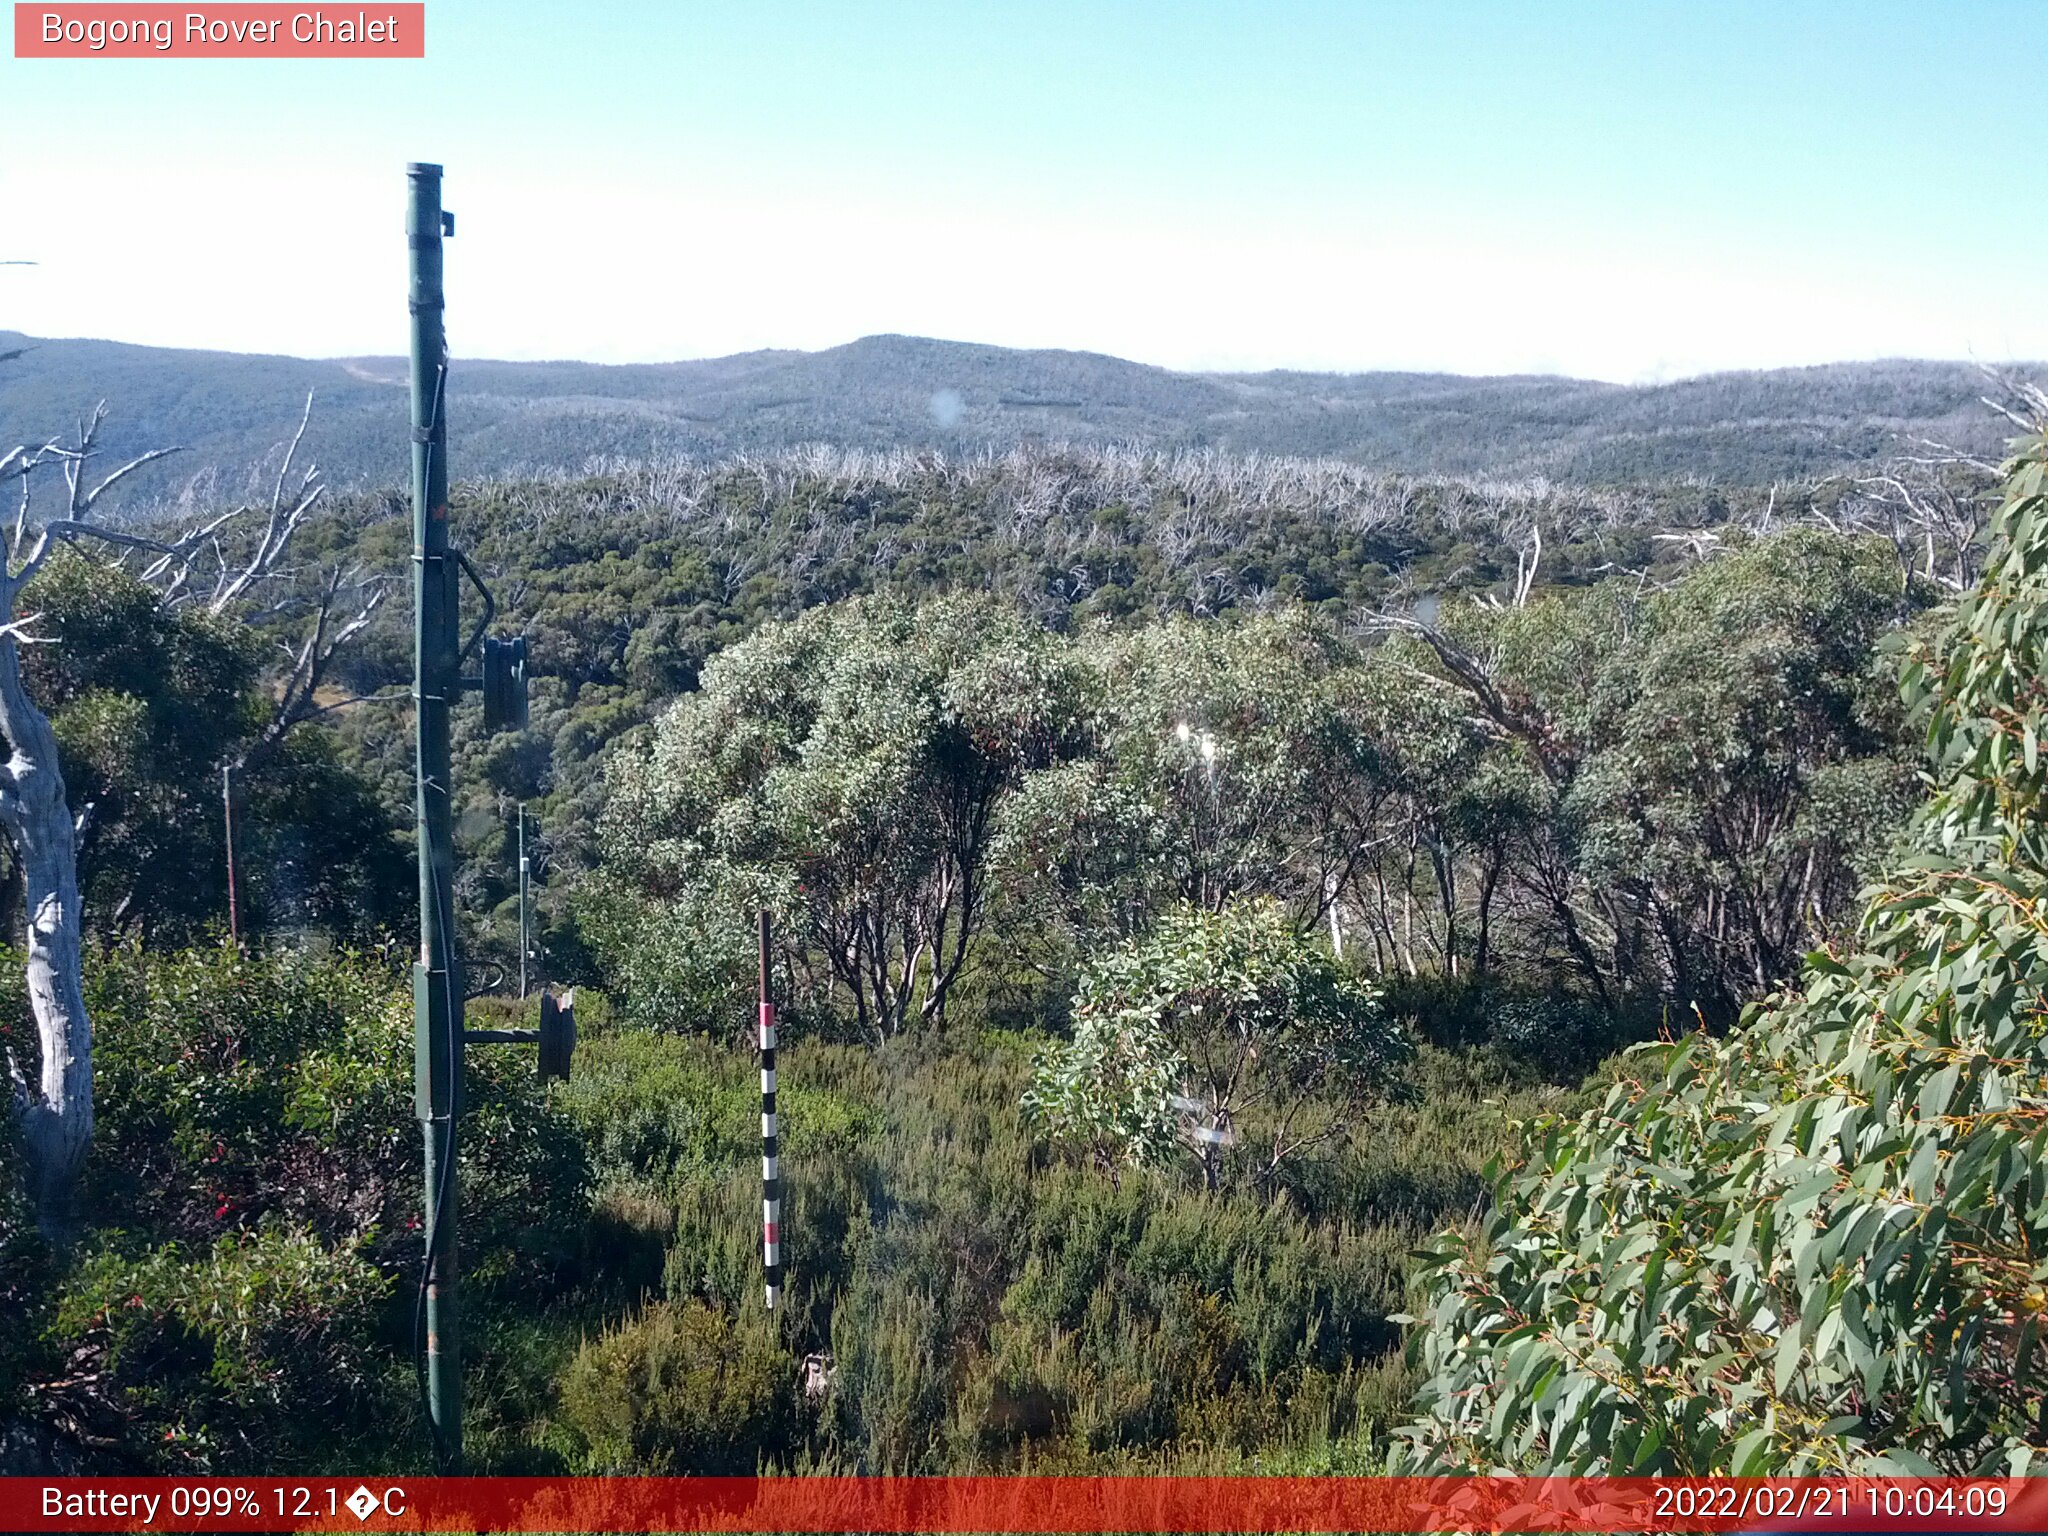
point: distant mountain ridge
(229, 409)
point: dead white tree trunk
(1528, 560)
(55, 1108)
(53, 1102)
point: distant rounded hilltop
(1732, 429)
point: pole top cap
(422, 168)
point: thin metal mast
(437, 988)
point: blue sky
(1627, 190)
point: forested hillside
(1188, 870)
(884, 392)
(627, 582)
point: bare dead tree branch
(1477, 678)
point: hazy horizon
(958, 341)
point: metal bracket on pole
(556, 1036)
(490, 605)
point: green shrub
(256, 1181)
(672, 965)
(682, 1389)
(232, 1088)
(235, 1089)
(1535, 1033)
(258, 1354)
(627, 1240)
(652, 1106)
(1208, 1020)
(1564, 1036)
(996, 1314)
(1422, 1162)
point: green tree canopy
(845, 769)
(1720, 760)
(149, 702)
(1817, 1244)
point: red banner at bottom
(1039, 1504)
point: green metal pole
(437, 988)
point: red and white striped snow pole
(771, 1167)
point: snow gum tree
(1816, 1245)
(212, 567)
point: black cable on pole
(438, 1208)
(443, 1181)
